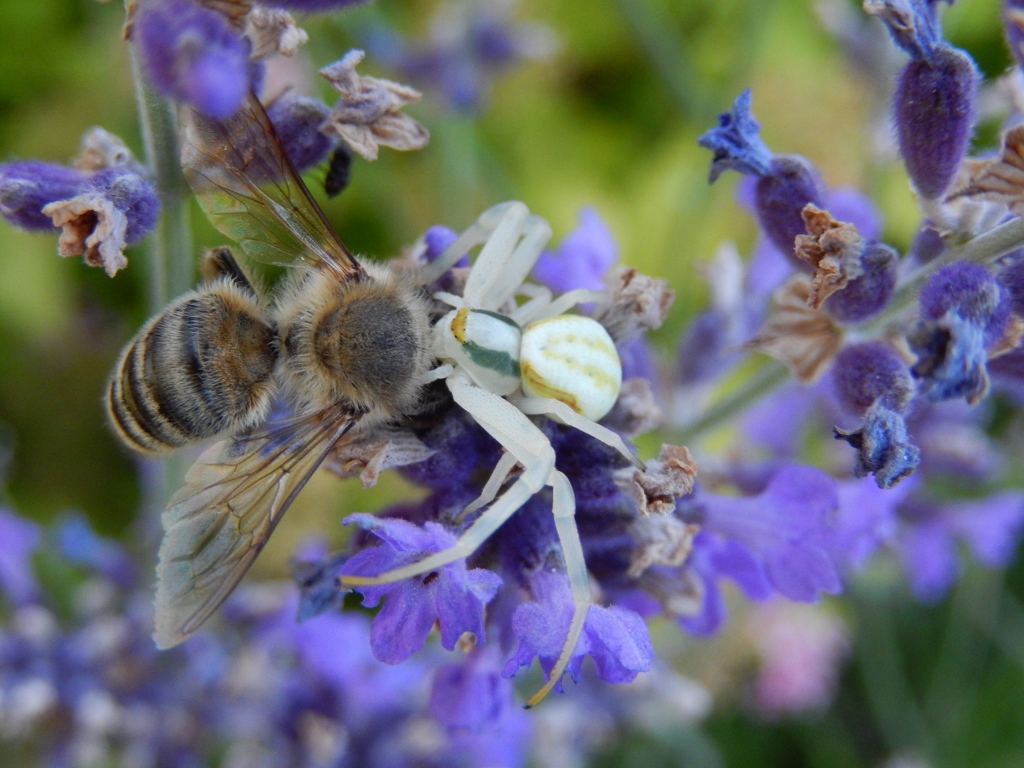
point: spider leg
(563, 506)
(506, 259)
(567, 301)
(477, 232)
(523, 440)
(505, 465)
(562, 412)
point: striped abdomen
(201, 368)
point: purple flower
(866, 295)
(927, 546)
(191, 54)
(19, 537)
(471, 694)
(1013, 24)
(964, 312)
(785, 183)
(297, 121)
(868, 372)
(615, 637)
(867, 518)
(78, 543)
(453, 596)
(27, 187)
(316, 6)
(582, 258)
(883, 446)
(786, 531)
(935, 95)
(115, 210)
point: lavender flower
(192, 54)
(616, 638)
(964, 312)
(582, 258)
(470, 45)
(114, 210)
(780, 540)
(29, 186)
(871, 381)
(20, 538)
(785, 183)
(453, 596)
(935, 96)
(297, 121)
(927, 544)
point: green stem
(767, 378)
(983, 249)
(169, 246)
(171, 265)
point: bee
(344, 341)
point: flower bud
(870, 372)
(866, 295)
(27, 187)
(192, 54)
(297, 122)
(785, 183)
(934, 112)
(964, 313)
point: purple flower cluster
(103, 204)
(471, 45)
(886, 372)
(90, 688)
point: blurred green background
(611, 120)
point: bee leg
(221, 262)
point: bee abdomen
(201, 368)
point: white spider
(503, 368)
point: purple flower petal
(19, 537)
(615, 637)
(786, 528)
(582, 258)
(452, 596)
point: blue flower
(934, 102)
(615, 637)
(927, 544)
(29, 186)
(785, 183)
(78, 543)
(964, 311)
(582, 258)
(453, 596)
(783, 537)
(19, 537)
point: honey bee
(344, 341)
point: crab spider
(502, 368)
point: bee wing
(219, 521)
(252, 193)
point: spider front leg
(524, 441)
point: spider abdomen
(571, 358)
